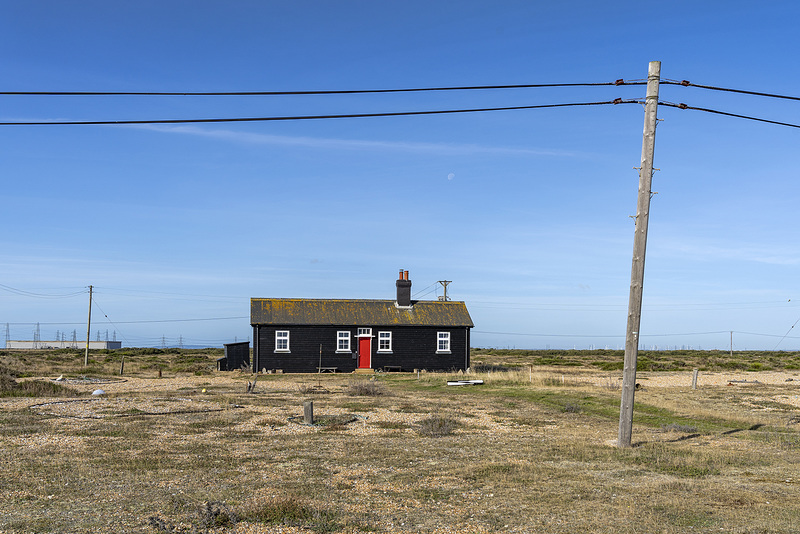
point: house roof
(354, 312)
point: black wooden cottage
(345, 335)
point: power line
(736, 115)
(313, 117)
(320, 92)
(25, 293)
(110, 321)
(147, 321)
(687, 83)
(641, 335)
(786, 334)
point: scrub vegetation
(648, 360)
(529, 450)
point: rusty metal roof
(352, 312)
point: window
(281, 341)
(384, 342)
(343, 341)
(365, 332)
(443, 344)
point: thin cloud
(735, 252)
(353, 144)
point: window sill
(443, 352)
(344, 352)
(280, 351)
(385, 352)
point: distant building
(39, 345)
(346, 335)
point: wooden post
(319, 369)
(122, 366)
(695, 372)
(251, 386)
(731, 343)
(88, 330)
(308, 412)
(639, 247)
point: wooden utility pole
(639, 246)
(445, 283)
(88, 330)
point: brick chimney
(403, 289)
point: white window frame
(442, 342)
(343, 341)
(387, 337)
(281, 336)
(364, 332)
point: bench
(327, 369)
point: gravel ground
(135, 396)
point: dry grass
(530, 453)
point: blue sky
(527, 212)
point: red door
(364, 355)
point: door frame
(364, 337)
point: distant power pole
(639, 247)
(88, 330)
(445, 283)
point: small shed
(237, 355)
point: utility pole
(731, 343)
(639, 247)
(88, 330)
(445, 283)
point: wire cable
(687, 83)
(622, 336)
(24, 293)
(314, 117)
(320, 92)
(110, 321)
(736, 115)
(786, 334)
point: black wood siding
(236, 355)
(413, 347)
